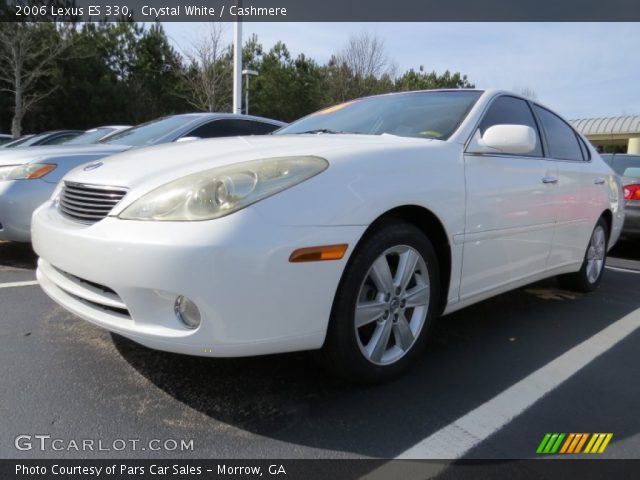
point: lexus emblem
(92, 166)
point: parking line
(456, 439)
(626, 270)
(18, 284)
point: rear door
(510, 211)
(582, 188)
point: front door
(511, 206)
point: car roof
(227, 115)
(53, 132)
(485, 93)
(102, 127)
(409, 92)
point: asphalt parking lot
(65, 378)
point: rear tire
(384, 306)
(590, 275)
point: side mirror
(187, 139)
(513, 139)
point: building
(612, 134)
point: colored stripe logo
(573, 443)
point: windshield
(434, 114)
(17, 141)
(30, 141)
(90, 136)
(150, 132)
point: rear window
(150, 132)
(90, 136)
(562, 140)
(625, 165)
(60, 139)
(230, 127)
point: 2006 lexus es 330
(348, 231)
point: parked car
(349, 231)
(628, 167)
(4, 139)
(84, 138)
(54, 137)
(28, 177)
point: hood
(154, 166)
(18, 156)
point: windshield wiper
(321, 130)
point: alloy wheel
(596, 254)
(392, 305)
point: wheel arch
(608, 217)
(429, 223)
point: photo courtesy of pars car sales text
(97, 471)
(183, 470)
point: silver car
(28, 176)
(628, 167)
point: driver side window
(507, 110)
(228, 127)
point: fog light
(187, 312)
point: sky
(577, 69)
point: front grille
(123, 312)
(97, 286)
(89, 203)
(94, 295)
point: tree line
(81, 75)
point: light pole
(237, 65)
(247, 74)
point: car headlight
(5, 171)
(30, 171)
(220, 191)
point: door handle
(550, 179)
(599, 181)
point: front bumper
(18, 200)
(126, 275)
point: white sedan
(349, 231)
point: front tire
(384, 305)
(590, 275)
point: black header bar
(323, 11)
